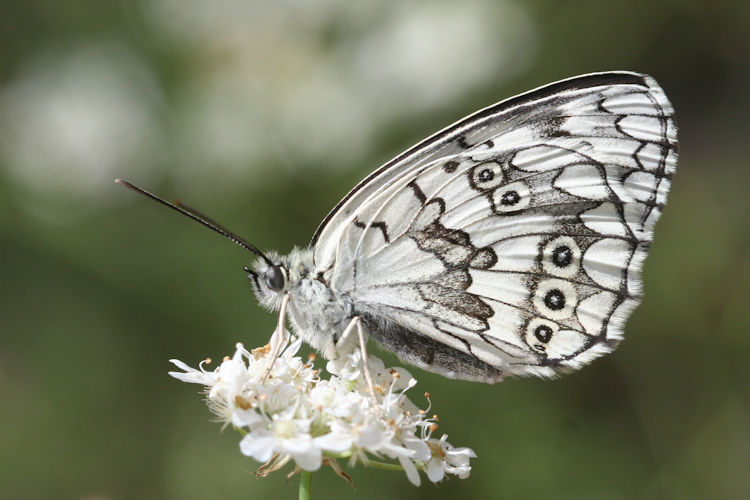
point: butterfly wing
(512, 241)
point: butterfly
(509, 243)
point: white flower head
(294, 415)
(287, 436)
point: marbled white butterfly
(509, 243)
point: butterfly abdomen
(428, 353)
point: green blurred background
(263, 114)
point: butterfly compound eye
(274, 278)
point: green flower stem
(383, 465)
(305, 483)
(374, 463)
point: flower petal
(258, 446)
(412, 474)
(435, 470)
(310, 460)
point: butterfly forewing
(512, 241)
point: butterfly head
(269, 278)
(274, 275)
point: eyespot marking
(561, 257)
(555, 299)
(486, 176)
(511, 198)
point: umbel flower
(295, 415)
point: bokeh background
(263, 114)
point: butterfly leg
(355, 324)
(342, 341)
(365, 358)
(279, 338)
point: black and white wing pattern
(510, 243)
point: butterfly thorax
(318, 313)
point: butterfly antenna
(199, 217)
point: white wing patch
(511, 242)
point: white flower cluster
(296, 415)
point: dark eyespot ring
(562, 256)
(486, 175)
(554, 299)
(510, 198)
(274, 278)
(543, 333)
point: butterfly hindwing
(511, 242)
